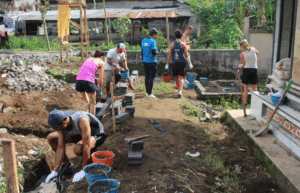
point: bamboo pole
(167, 28)
(81, 32)
(10, 166)
(86, 33)
(61, 49)
(113, 106)
(106, 28)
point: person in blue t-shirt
(149, 52)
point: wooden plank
(10, 166)
(81, 33)
(75, 24)
(61, 49)
(113, 106)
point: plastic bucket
(191, 77)
(275, 100)
(96, 172)
(107, 157)
(105, 186)
(167, 78)
(191, 85)
(125, 75)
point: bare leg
(53, 142)
(177, 81)
(180, 80)
(86, 100)
(78, 149)
(92, 99)
(245, 93)
(130, 84)
(254, 87)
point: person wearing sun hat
(113, 57)
(79, 127)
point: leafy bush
(161, 41)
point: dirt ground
(212, 87)
(165, 165)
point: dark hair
(153, 31)
(178, 33)
(98, 53)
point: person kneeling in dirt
(79, 127)
(85, 82)
(113, 57)
(177, 52)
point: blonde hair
(245, 43)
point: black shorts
(100, 138)
(85, 86)
(249, 75)
(178, 68)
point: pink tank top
(87, 71)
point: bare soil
(212, 87)
(165, 165)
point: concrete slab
(285, 168)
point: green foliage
(269, 13)
(223, 31)
(190, 110)
(230, 102)
(121, 26)
(161, 41)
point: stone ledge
(285, 168)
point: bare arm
(256, 51)
(125, 64)
(84, 125)
(242, 59)
(170, 53)
(60, 151)
(183, 46)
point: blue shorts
(85, 86)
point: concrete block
(122, 117)
(135, 162)
(136, 72)
(103, 110)
(49, 187)
(99, 106)
(135, 155)
(136, 146)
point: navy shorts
(178, 68)
(85, 86)
(249, 75)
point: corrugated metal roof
(112, 13)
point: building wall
(263, 42)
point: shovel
(265, 127)
(248, 117)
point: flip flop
(160, 128)
(152, 121)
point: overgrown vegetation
(56, 73)
(161, 41)
(227, 103)
(122, 27)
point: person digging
(79, 127)
(113, 57)
(177, 52)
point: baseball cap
(121, 46)
(57, 116)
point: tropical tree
(122, 27)
(43, 8)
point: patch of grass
(261, 84)
(190, 110)
(77, 59)
(159, 89)
(228, 103)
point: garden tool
(248, 117)
(265, 127)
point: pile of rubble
(30, 77)
(208, 112)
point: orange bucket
(105, 157)
(167, 79)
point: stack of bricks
(130, 109)
(135, 152)
(129, 97)
(117, 106)
(123, 88)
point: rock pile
(31, 77)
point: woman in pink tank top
(85, 82)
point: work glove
(100, 91)
(191, 66)
(167, 66)
(194, 41)
(241, 66)
(78, 176)
(51, 176)
(159, 51)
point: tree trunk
(261, 22)
(46, 34)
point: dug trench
(226, 162)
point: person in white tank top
(249, 63)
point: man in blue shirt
(149, 52)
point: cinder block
(136, 146)
(122, 117)
(99, 106)
(135, 162)
(135, 155)
(136, 72)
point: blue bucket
(203, 79)
(91, 178)
(275, 100)
(191, 85)
(125, 75)
(105, 186)
(191, 77)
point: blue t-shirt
(148, 44)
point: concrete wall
(263, 42)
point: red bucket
(167, 79)
(107, 157)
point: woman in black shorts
(249, 63)
(85, 82)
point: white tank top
(250, 59)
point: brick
(136, 146)
(136, 72)
(135, 155)
(135, 162)
(122, 117)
